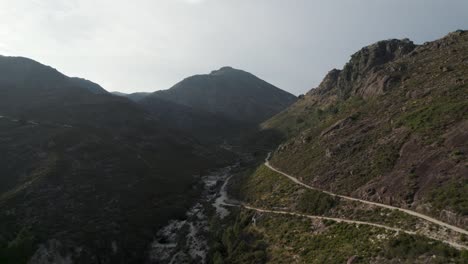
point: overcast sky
(148, 45)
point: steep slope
(235, 94)
(83, 176)
(390, 127)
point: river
(185, 241)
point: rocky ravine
(185, 241)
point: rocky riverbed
(185, 241)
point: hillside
(232, 93)
(390, 127)
(209, 128)
(206, 127)
(282, 222)
(87, 176)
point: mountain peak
(380, 53)
(27, 72)
(233, 93)
(224, 70)
(355, 77)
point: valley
(369, 167)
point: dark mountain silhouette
(25, 72)
(232, 93)
(81, 168)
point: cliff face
(365, 74)
(390, 127)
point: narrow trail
(232, 203)
(407, 211)
(338, 220)
(341, 220)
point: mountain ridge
(234, 93)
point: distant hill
(24, 71)
(133, 96)
(235, 94)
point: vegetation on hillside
(386, 128)
(286, 239)
(87, 170)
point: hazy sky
(148, 45)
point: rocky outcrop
(367, 74)
(329, 82)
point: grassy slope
(285, 239)
(267, 189)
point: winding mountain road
(410, 212)
(341, 220)
(225, 201)
(338, 220)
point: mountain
(369, 167)
(86, 176)
(389, 127)
(224, 106)
(371, 161)
(235, 94)
(19, 70)
(133, 96)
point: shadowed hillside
(232, 93)
(83, 173)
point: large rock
(365, 74)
